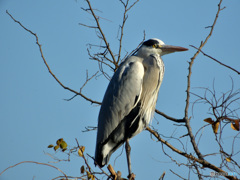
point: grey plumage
(130, 99)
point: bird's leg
(128, 150)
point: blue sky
(33, 112)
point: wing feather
(122, 95)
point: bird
(130, 99)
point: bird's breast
(153, 75)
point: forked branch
(229, 67)
(203, 162)
(194, 144)
(46, 64)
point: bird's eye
(154, 46)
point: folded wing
(119, 108)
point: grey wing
(122, 95)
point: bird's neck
(144, 53)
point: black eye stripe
(150, 42)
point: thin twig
(33, 162)
(216, 60)
(85, 160)
(203, 162)
(46, 64)
(125, 16)
(100, 167)
(100, 30)
(177, 175)
(93, 27)
(162, 176)
(169, 117)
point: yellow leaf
(89, 175)
(228, 159)
(209, 120)
(81, 150)
(56, 147)
(215, 126)
(50, 146)
(82, 169)
(59, 141)
(235, 125)
(63, 145)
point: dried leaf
(111, 170)
(228, 159)
(215, 126)
(82, 169)
(235, 125)
(209, 120)
(56, 147)
(50, 146)
(81, 150)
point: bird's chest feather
(153, 74)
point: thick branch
(189, 82)
(189, 156)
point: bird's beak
(166, 49)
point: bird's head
(156, 46)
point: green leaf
(59, 141)
(63, 145)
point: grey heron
(130, 99)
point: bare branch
(125, 16)
(100, 59)
(136, 49)
(100, 167)
(162, 176)
(216, 60)
(100, 30)
(169, 118)
(83, 156)
(89, 128)
(33, 162)
(177, 175)
(203, 162)
(46, 64)
(93, 27)
(87, 80)
(194, 144)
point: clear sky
(34, 114)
